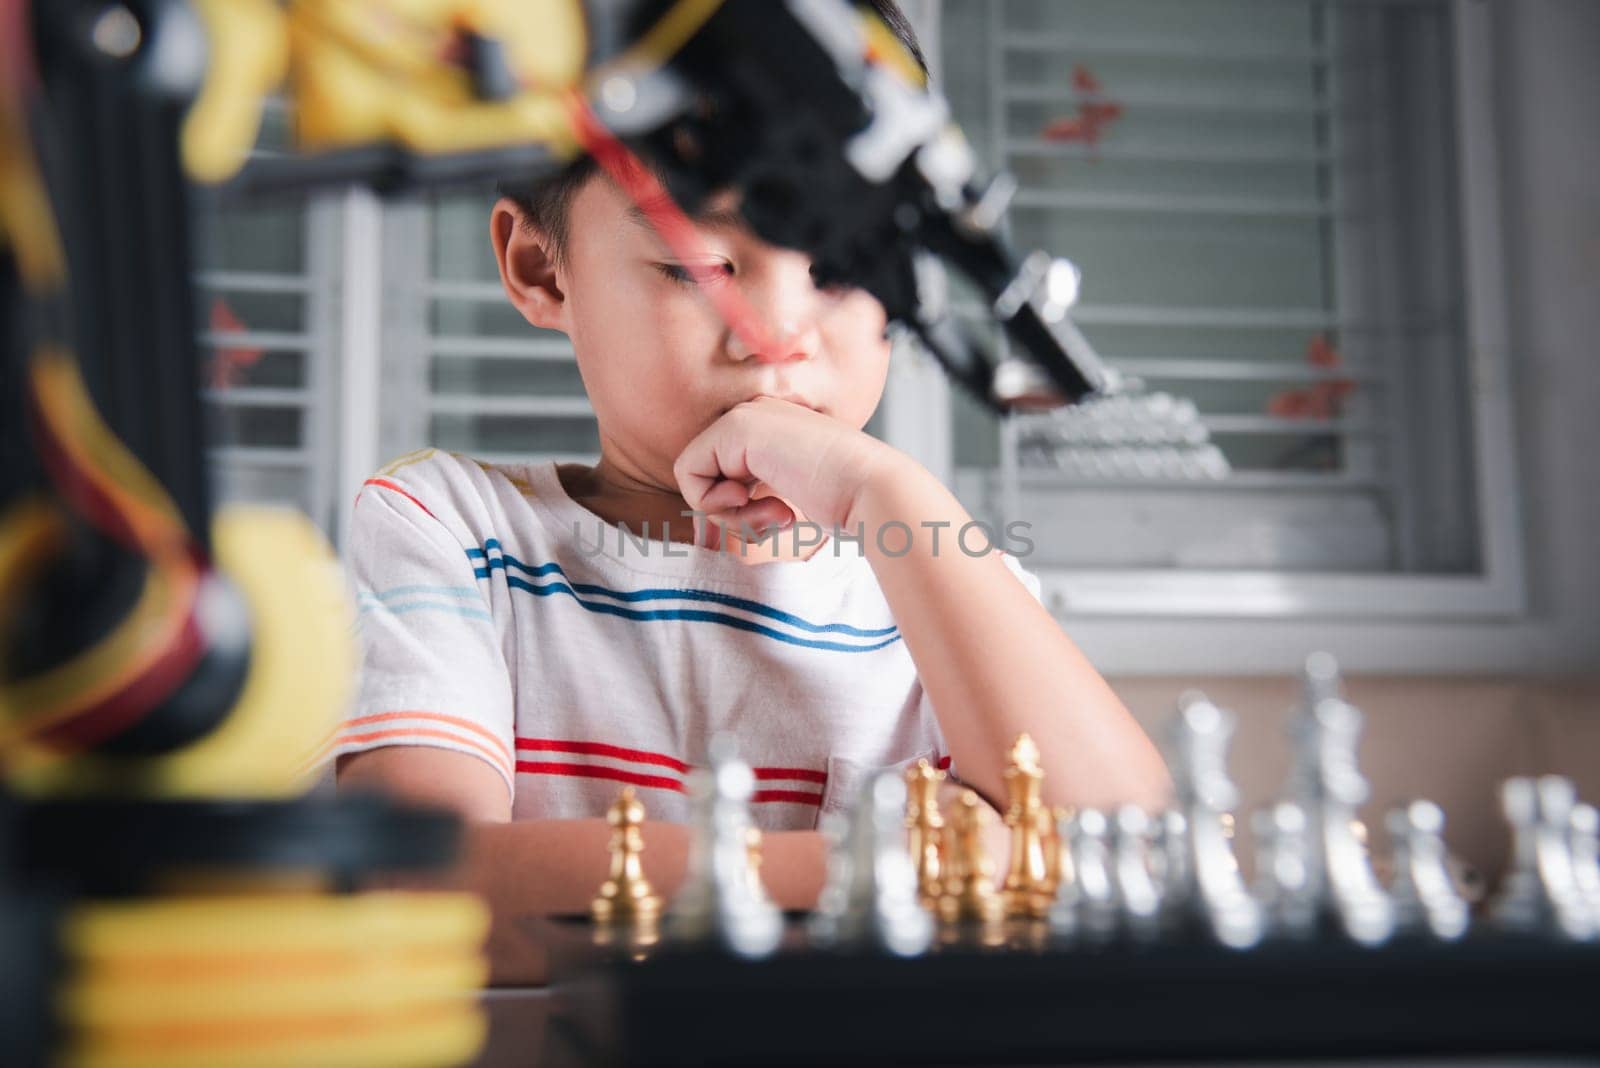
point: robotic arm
(113, 110)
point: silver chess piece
(1423, 893)
(1585, 845)
(1284, 870)
(1085, 904)
(1329, 789)
(1170, 853)
(1138, 895)
(719, 902)
(1541, 892)
(870, 898)
(1211, 892)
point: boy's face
(659, 364)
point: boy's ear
(527, 268)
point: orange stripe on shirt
(384, 483)
(454, 721)
(423, 732)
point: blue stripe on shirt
(506, 561)
(692, 615)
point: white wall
(1549, 114)
(1547, 94)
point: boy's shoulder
(455, 489)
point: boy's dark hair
(546, 201)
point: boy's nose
(791, 342)
(786, 299)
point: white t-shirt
(502, 619)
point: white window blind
(463, 370)
(1262, 196)
(266, 289)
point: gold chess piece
(626, 896)
(1050, 846)
(1025, 892)
(969, 892)
(926, 825)
(752, 856)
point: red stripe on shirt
(658, 782)
(384, 483)
(597, 771)
(617, 752)
(797, 797)
(944, 763)
(641, 756)
(801, 774)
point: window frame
(1498, 591)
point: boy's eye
(677, 272)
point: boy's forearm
(991, 658)
(553, 868)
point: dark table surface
(1032, 1002)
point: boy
(536, 636)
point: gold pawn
(626, 896)
(926, 826)
(969, 892)
(1025, 890)
(752, 856)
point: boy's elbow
(424, 775)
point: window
(1286, 214)
(1269, 203)
(463, 371)
(266, 289)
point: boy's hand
(815, 462)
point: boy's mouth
(792, 398)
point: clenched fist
(805, 458)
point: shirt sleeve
(432, 671)
(1026, 577)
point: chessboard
(1028, 1001)
(1109, 936)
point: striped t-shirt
(503, 620)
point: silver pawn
(870, 898)
(1284, 870)
(1085, 905)
(1212, 892)
(1423, 893)
(719, 902)
(1138, 896)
